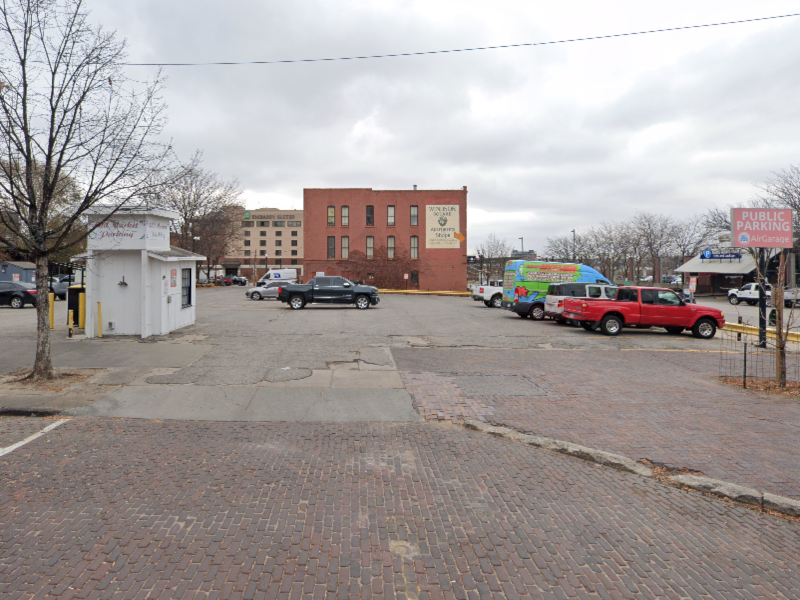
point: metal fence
(742, 358)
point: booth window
(186, 287)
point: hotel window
(277, 242)
(414, 215)
(346, 216)
(246, 261)
(278, 233)
(370, 245)
(247, 252)
(294, 252)
(263, 223)
(294, 261)
(246, 232)
(345, 247)
(263, 253)
(279, 223)
(278, 262)
(247, 223)
(390, 247)
(247, 242)
(390, 216)
(294, 234)
(277, 252)
(331, 216)
(295, 223)
(294, 242)
(414, 246)
(263, 233)
(263, 243)
(331, 246)
(370, 215)
(414, 277)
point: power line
(584, 39)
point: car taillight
(31, 291)
(279, 290)
(480, 291)
(560, 304)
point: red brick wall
(439, 268)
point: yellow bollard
(52, 310)
(99, 320)
(71, 317)
(82, 311)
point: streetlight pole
(574, 244)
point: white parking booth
(136, 283)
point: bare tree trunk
(43, 366)
(780, 342)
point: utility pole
(762, 298)
(574, 246)
(522, 245)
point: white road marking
(10, 449)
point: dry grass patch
(766, 386)
(18, 381)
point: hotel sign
(442, 226)
(762, 227)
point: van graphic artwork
(528, 281)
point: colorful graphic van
(525, 283)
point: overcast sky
(546, 138)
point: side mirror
(346, 285)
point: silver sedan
(268, 291)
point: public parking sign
(762, 227)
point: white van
(288, 275)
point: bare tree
(68, 117)
(380, 271)
(494, 252)
(689, 236)
(208, 208)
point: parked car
(224, 280)
(261, 292)
(17, 295)
(59, 285)
(490, 293)
(644, 307)
(558, 292)
(748, 293)
(328, 290)
(238, 280)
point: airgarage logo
(762, 228)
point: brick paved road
(663, 406)
(135, 509)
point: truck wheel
(704, 329)
(487, 303)
(769, 301)
(587, 325)
(537, 312)
(611, 324)
(733, 300)
(674, 330)
(256, 296)
(497, 301)
(297, 302)
(362, 302)
(752, 302)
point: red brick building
(429, 225)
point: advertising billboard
(442, 226)
(761, 227)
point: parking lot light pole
(762, 298)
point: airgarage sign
(761, 228)
(442, 226)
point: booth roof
(735, 266)
(174, 253)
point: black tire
(523, 315)
(487, 303)
(362, 302)
(537, 311)
(62, 297)
(17, 302)
(611, 324)
(496, 301)
(733, 299)
(674, 330)
(297, 302)
(705, 329)
(587, 325)
(752, 302)
(255, 296)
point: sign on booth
(761, 227)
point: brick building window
(414, 215)
(390, 247)
(294, 242)
(247, 242)
(246, 232)
(294, 252)
(370, 245)
(345, 247)
(263, 243)
(345, 216)
(390, 216)
(370, 215)
(331, 246)
(331, 216)
(414, 277)
(278, 242)
(414, 246)
(263, 233)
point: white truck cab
(748, 293)
(490, 292)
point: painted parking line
(11, 448)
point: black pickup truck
(328, 290)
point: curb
(731, 491)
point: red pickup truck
(651, 307)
